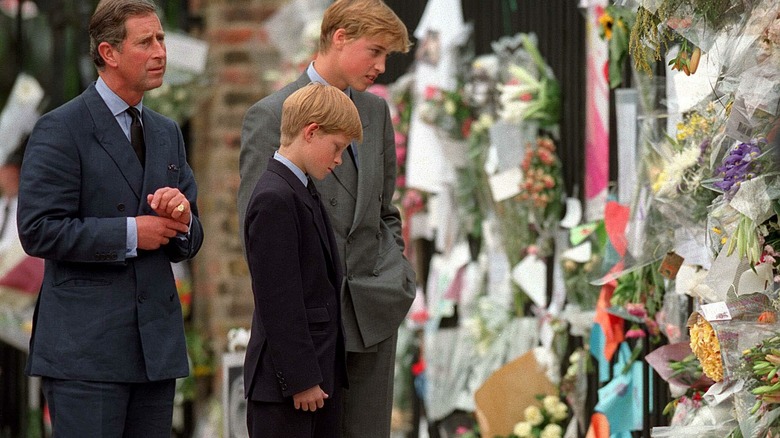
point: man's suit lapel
(367, 154)
(114, 141)
(311, 203)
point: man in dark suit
(295, 361)
(379, 286)
(108, 200)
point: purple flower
(738, 166)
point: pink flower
(400, 153)
(635, 333)
(636, 309)
(546, 157)
(672, 331)
(419, 317)
(431, 92)
(412, 201)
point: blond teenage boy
(379, 285)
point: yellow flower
(660, 180)
(606, 21)
(705, 345)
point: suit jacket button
(278, 374)
(284, 387)
(376, 272)
(120, 207)
(141, 298)
(350, 277)
(378, 235)
(333, 202)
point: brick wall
(238, 53)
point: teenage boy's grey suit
(379, 282)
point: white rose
(552, 431)
(522, 429)
(550, 402)
(560, 412)
(533, 415)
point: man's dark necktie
(313, 190)
(320, 211)
(137, 134)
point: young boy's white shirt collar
(295, 169)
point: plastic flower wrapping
(737, 346)
(697, 25)
(743, 218)
(683, 164)
(681, 369)
(531, 92)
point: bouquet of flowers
(684, 164)
(706, 347)
(531, 92)
(744, 215)
(542, 422)
(614, 25)
(660, 24)
(542, 189)
(640, 293)
(761, 365)
(449, 111)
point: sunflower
(606, 22)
